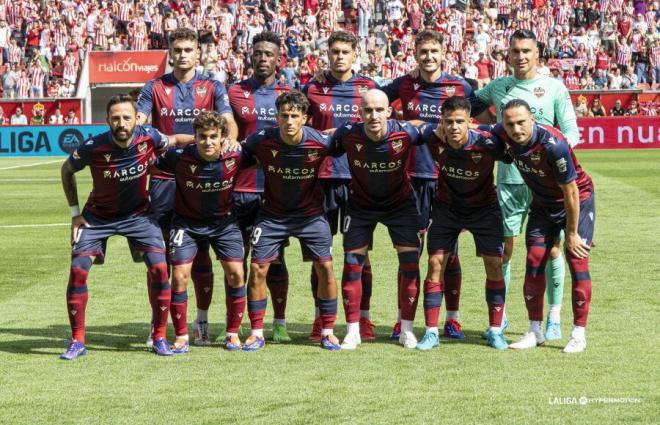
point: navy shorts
(223, 235)
(485, 224)
(425, 192)
(336, 197)
(246, 208)
(140, 229)
(547, 223)
(271, 234)
(403, 223)
(161, 197)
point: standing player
(563, 199)
(205, 177)
(465, 199)
(290, 156)
(380, 192)
(551, 104)
(421, 98)
(119, 160)
(333, 102)
(253, 103)
(173, 101)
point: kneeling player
(380, 192)
(290, 156)
(205, 174)
(563, 199)
(465, 199)
(119, 160)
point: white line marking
(31, 165)
(29, 180)
(20, 226)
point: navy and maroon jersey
(173, 105)
(378, 168)
(119, 176)
(254, 110)
(546, 162)
(203, 189)
(291, 186)
(466, 174)
(333, 104)
(421, 100)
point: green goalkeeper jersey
(550, 103)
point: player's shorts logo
(70, 139)
(450, 90)
(535, 157)
(476, 157)
(539, 92)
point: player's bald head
(375, 97)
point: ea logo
(70, 139)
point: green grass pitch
(119, 382)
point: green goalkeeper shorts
(514, 201)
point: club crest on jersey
(193, 167)
(230, 164)
(274, 152)
(397, 145)
(312, 154)
(539, 91)
(107, 157)
(168, 91)
(142, 147)
(325, 90)
(535, 157)
(201, 91)
(476, 157)
(362, 89)
(358, 146)
(450, 90)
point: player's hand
(320, 76)
(329, 132)
(77, 223)
(230, 145)
(574, 245)
(414, 73)
(439, 133)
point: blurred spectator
(581, 109)
(71, 117)
(3, 119)
(38, 117)
(57, 117)
(617, 110)
(18, 118)
(597, 109)
(633, 109)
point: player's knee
(81, 262)
(158, 272)
(325, 272)
(435, 264)
(180, 278)
(258, 273)
(493, 267)
(234, 276)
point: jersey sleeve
(161, 141)
(392, 89)
(167, 161)
(336, 146)
(248, 157)
(476, 103)
(413, 133)
(566, 117)
(221, 98)
(561, 162)
(145, 100)
(81, 157)
(497, 148)
(427, 132)
(485, 95)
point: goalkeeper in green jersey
(550, 104)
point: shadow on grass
(130, 337)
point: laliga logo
(127, 66)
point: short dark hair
(267, 36)
(343, 36)
(523, 35)
(294, 100)
(209, 120)
(428, 35)
(516, 103)
(120, 98)
(183, 33)
(456, 103)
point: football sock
(554, 280)
(161, 292)
(409, 266)
(581, 289)
(179, 312)
(203, 315)
(452, 280)
(235, 300)
(351, 286)
(314, 283)
(366, 289)
(202, 277)
(364, 314)
(256, 313)
(77, 296)
(281, 322)
(432, 303)
(554, 313)
(353, 328)
(406, 325)
(534, 287)
(277, 281)
(495, 297)
(535, 326)
(453, 315)
(578, 332)
(328, 309)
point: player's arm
(232, 127)
(145, 103)
(70, 186)
(222, 105)
(566, 116)
(573, 244)
(336, 148)
(480, 103)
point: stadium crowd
(590, 45)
